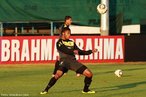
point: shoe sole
(89, 92)
(43, 93)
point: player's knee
(88, 73)
(57, 76)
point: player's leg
(87, 81)
(52, 81)
(79, 68)
(88, 78)
(55, 68)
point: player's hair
(67, 17)
(65, 29)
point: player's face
(69, 21)
(67, 34)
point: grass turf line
(29, 80)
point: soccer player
(67, 23)
(67, 50)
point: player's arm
(62, 48)
(83, 52)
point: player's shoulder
(65, 26)
(59, 40)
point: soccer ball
(118, 73)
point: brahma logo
(108, 48)
(43, 49)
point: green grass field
(28, 80)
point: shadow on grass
(64, 91)
(112, 88)
(125, 93)
(125, 86)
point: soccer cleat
(43, 92)
(88, 92)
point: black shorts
(63, 69)
(72, 64)
(58, 67)
(81, 69)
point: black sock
(56, 67)
(51, 83)
(87, 82)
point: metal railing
(50, 25)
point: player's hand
(76, 52)
(94, 50)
